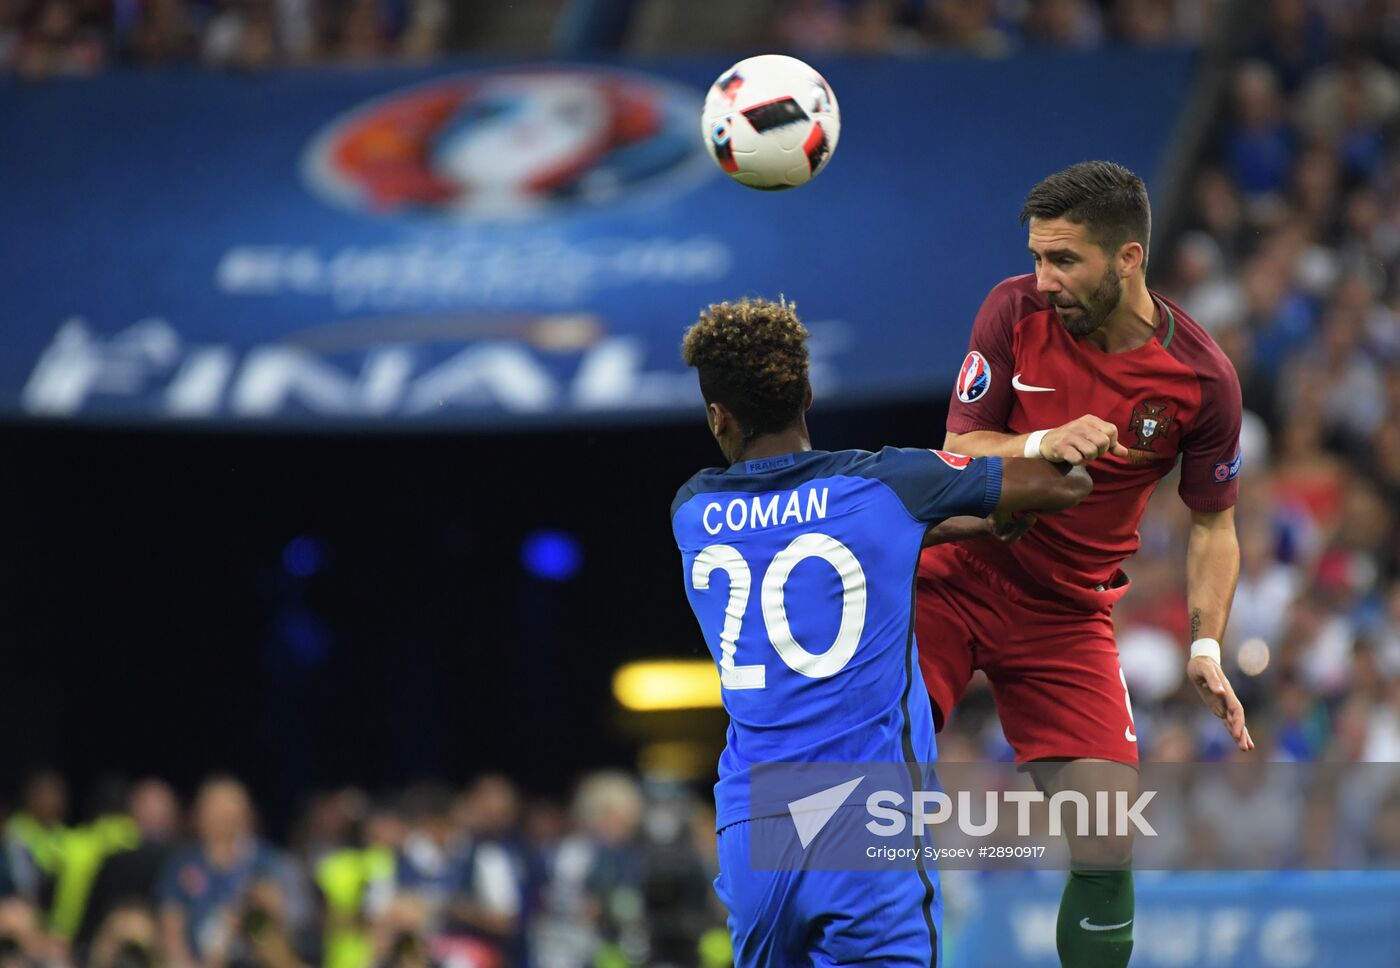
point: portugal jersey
(800, 570)
(1177, 395)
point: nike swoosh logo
(1016, 382)
(1088, 925)
(1128, 734)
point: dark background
(153, 627)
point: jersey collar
(767, 465)
(1166, 328)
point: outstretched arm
(1081, 440)
(1212, 568)
(1026, 485)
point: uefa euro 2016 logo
(507, 144)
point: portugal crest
(1150, 422)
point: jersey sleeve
(1210, 449)
(934, 484)
(982, 392)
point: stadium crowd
(473, 878)
(1291, 262)
(41, 38)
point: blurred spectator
(1074, 24)
(84, 849)
(1267, 587)
(972, 26)
(61, 38)
(1348, 105)
(403, 936)
(425, 866)
(1201, 285)
(264, 935)
(1300, 730)
(203, 888)
(594, 899)
(1259, 145)
(357, 883)
(136, 872)
(127, 936)
(332, 821)
(812, 26)
(1146, 23)
(1218, 211)
(9, 32)
(681, 865)
(1246, 815)
(165, 32)
(487, 906)
(1294, 40)
(34, 836)
(244, 35)
(22, 940)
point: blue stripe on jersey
(801, 576)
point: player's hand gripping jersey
(800, 570)
(1175, 395)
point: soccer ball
(771, 122)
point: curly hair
(751, 356)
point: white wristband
(1033, 443)
(1206, 647)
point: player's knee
(1101, 853)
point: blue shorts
(794, 917)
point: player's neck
(1132, 323)
(791, 441)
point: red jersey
(1177, 394)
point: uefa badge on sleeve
(975, 378)
(1228, 471)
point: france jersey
(800, 570)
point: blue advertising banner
(491, 243)
(1304, 919)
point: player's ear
(1131, 256)
(718, 418)
(807, 399)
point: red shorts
(1056, 681)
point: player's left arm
(1003, 527)
(1016, 489)
(1212, 568)
(1210, 467)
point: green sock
(1095, 929)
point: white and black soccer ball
(771, 122)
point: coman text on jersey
(764, 511)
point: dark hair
(751, 356)
(1106, 198)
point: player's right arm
(1080, 441)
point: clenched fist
(1082, 440)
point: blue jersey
(800, 570)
